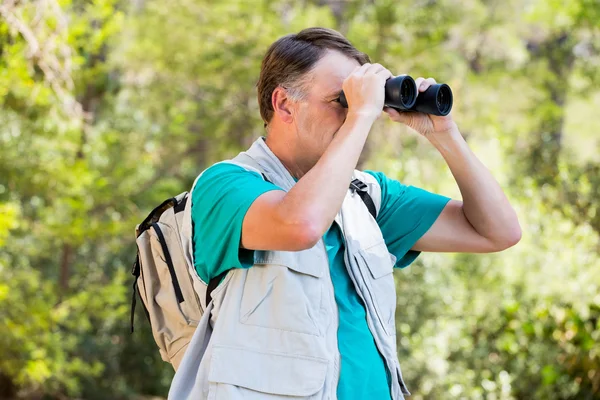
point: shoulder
(230, 184)
(368, 177)
(408, 199)
(227, 168)
(382, 179)
(225, 174)
(389, 187)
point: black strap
(170, 265)
(136, 273)
(181, 206)
(133, 300)
(212, 285)
(360, 188)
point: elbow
(514, 238)
(308, 235)
(515, 234)
(510, 234)
(510, 238)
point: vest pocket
(241, 373)
(379, 282)
(282, 294)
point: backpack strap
(360, 188)
(212, 285)
(135, 271)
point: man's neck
(285, 152)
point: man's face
(319, 116)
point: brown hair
(290, 58)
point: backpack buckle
(358, 185)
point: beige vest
(271, 330)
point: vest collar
(271, 165)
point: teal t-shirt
(220, 201)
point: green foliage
(108, 107)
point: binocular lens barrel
(401, 94)
(436, 100)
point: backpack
(165, 277)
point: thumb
(398, 116)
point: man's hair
(289, 60)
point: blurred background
(109, 107)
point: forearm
(318, 195)
(484, 203)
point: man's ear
(282, 105)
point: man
(306, 308)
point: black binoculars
(401, 93)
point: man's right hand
(364, 89)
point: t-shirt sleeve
(220, 200)
(406, 214)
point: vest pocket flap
(308, 262)
(378, 260)
(272, 373)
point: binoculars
(401, 93)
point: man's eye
(337, 100)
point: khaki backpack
(163, 278)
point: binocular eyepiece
(401, 93)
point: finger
(425, 84)
(398, 116)
(391, 112)
(375, 68)
(418, 82)
(362, 69)
(385, 74)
